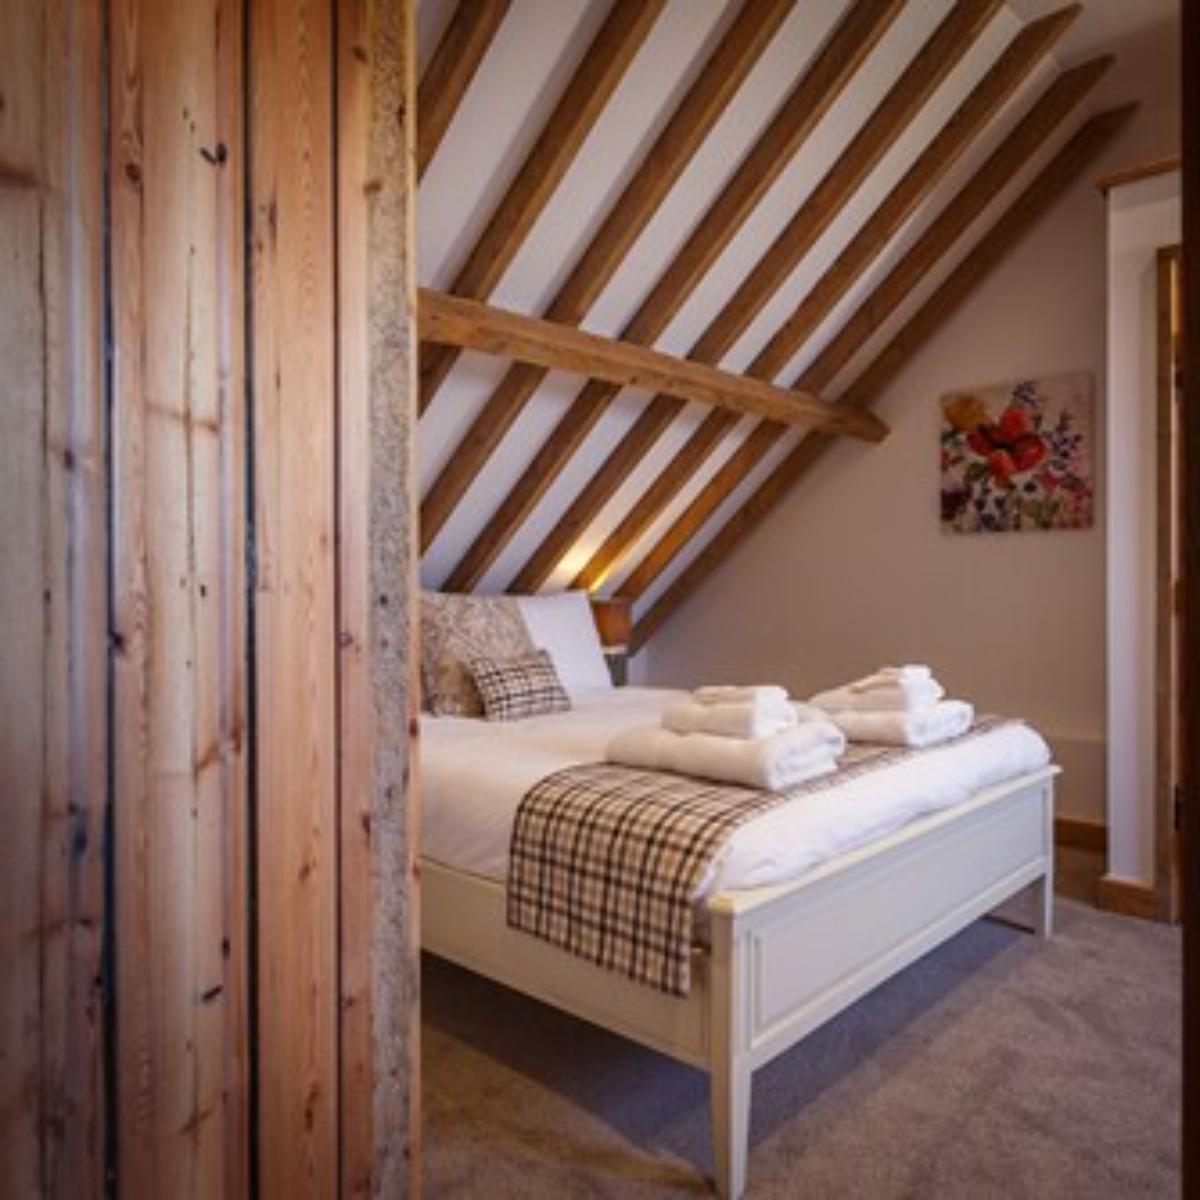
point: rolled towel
(733, 694)
(902, 695)
(924, 727)
(753, 719)
(773, 764)
(886, 677)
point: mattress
(474, 774)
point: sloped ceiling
(537, 47)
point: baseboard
(1126, 897)
(1081, 835)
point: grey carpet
(997, 1066)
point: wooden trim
(1168, 265)
(1159, 166)
(451, 69)
(294, 388)
(1006, 74)
(965, 207)
(455, 321)
(600, 70)
(660, 168)
(806, 104)
(1081, 835)
(936, 58)
(1021, 215)
(1190, 651)
(1127, 897)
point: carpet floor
(996, 1066)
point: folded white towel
(886, 677)
(753, 719)
(923, 727)
(733, 694)
(901, 695)
(773, 764)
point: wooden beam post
(378, 1007)
(53, 613)
(451, 320)
(179, 755)
(1066, 166)
(293, 309)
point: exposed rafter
(451, 70)
(600, 70)
(971, 200)
(1064, 168)
(823, 82)
(455, 321)
(1023, 53)
(891, 117)
(705, 101)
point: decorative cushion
(511, 688)
(456, 629)
(563, 624)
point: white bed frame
(782, 960)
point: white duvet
(474, 774)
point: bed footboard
(788, 959)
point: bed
(805, 910)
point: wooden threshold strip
(468, 324)
(1066, 166)
(822, 82)
(887, 121)
(600, 70)
(660, 168)
(1023, 53)
(451, 70)
(952, 222)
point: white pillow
(562, 625)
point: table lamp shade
(614, 621)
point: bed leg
(1042, 899)
(730, 1100)
(729, 1072)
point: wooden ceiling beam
(890, 118)
(1023, 53)
(469, 324)
(600, 69)
(833, 67)
(1066, 166)
(1000, 168)
(708, 97)
(451, 69)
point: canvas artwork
(1019, 456)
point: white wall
(1142, 217)
(853, 570)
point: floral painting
(1018, 456)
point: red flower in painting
(1013, 423)
(1001, 464)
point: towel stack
(753, 736)
(897, 706)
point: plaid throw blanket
(605, 858)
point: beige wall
(853, 570)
